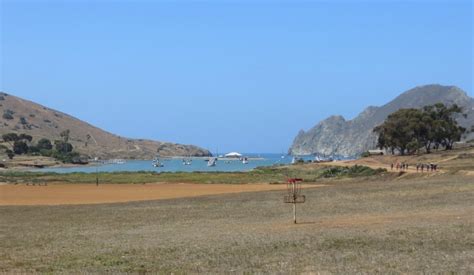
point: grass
(259, 175)
(362, 226)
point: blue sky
(237, 75)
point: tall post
(97, 174)
(294, 201)
(294, 212)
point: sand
(64, 194)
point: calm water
(176, 165)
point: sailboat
(156, 162)
(212, 162)
(187, 161)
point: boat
(245, 160)
(156, 162)
(293, 161)
(187, 161)
(212, 162)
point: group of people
(419, 167)
(399, 166)
(428, 167)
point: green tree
(45, 144)
(10, 137)
(20, 147)
(408, 130)
(399, 130)
(63, 147)
(25, 137)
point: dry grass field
(62, 194)
(395, 225)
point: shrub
(23, 121)
(10, 154)
(46, 152)
(44, 143)
(20, 147)
(63, 147)
(353, 171)
(7, 116)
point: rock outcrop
(337, 136)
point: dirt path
(60, 194)
(373, 165)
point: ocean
(176, 165)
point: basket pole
(294, 202)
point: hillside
(42, 122)
(335, 135)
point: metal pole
(294, 202)
(294, 212)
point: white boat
(188, 161)
(156, 162)
(245, 160)
(293, 161)
(212, 162)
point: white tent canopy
(233, 155)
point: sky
(228, 75)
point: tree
(10, 137)
(20, 147)
(65, 135)
(63, 147)
(408, 130)
(399, 130)
(25, 137)
(45, 144)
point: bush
(353, 171)
(46, 152)
(7, 116)
(365, 155)
(44, 143)
(70, 157)
(63, 147)
(23, 121)
(10, 154)
(20, 147)
(33, 150)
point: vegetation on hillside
(409, 130)
(21, 144)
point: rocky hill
(335, 135)
(23, 116)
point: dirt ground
(59, 194)
(359, 226)
(454, 161)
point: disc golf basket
(294, 196)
